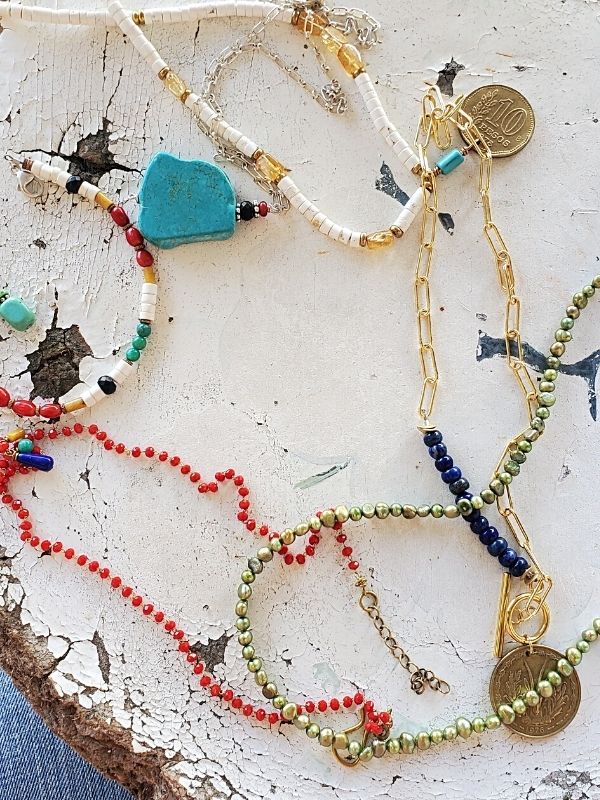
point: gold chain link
(420, 677)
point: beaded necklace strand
(31, 174)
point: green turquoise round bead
(132, 354)
(139, 342)
(25, 446)
(143, 329)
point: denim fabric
(37, 765)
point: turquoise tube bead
(143, 329)
(139, 342)
(132, 354)
(452, 160)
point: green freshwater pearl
(573, 312)
(497, 486)
(451, 512)
(302, 722)
(423, 511)
(596, 282)
(269, 690)
(436, 736)
(512, 467)
(366, 754)
(289, 711)
(247, 576)
(368, 510)
(562, 336)
(355, 513)
(378, 748)
(396, 510)
(493, 722)
(550, 374)
(543, 413)
(564, 667)
(589, 635)
(132, 354)
(241, 608)
(583, 646)
(547, 386)
(558, 349)
(407, 742)
(264, 554)
(409, 512)
(289, 537)
(342, 515)
(506, 714)
(464, 506)
(505, 478)
(242, 624)
(313, 730)
(276, 544)
(301, 529)
(463, 726)
(596, 624)
(450, 733)
(488, 496)
(328, 518)
(279, 701)
(478, 725)
(354, 749)
(477, 502)
(143, 329)
(588, 291)
(382, 510)
(261, 678)
(423, 740)
(437, 511)
(544, 689)
(340, 741)
(566, 323)
(518, 456)
(573, 656)
(326, 737)
(393, 746)
(315, 522)
(532, 698)
(255, 566)
(580, 300)
(524, 446)
(518, 706)
(553, 362)
(538, 424)
(245, 638)
(547, 399)
(554, 678)
(248, 652)
(255, 664)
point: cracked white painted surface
(284, 355)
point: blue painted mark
(387, 184)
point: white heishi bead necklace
(268, 170)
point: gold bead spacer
(363, 240)
(163, 73)
(138, 18)
(398, 232)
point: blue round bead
(473, 515)
(459, 486)
(444, 463)
(438, 450)
(480, 524)
(520, 567)
(451, 475)
(497, 547)
(489, 535)
(508, 558)
(432, 437)
(465, 496)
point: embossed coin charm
(520, 670)
(503, 116)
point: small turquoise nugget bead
(139, 342)
(143, 329)
(452, 160)
(25, 446)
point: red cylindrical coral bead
(24, 408)
(144, 258)
(50, 411)
(119, 216)
(4, 398)
(134, 237)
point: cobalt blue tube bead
(520, 567)
(36, 460)
(479, 525)
(443, 463)
(451, 475)
(432, 437)
(498, 546)
(438, 450)
(489, 535)
(508, 558)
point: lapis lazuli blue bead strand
(496, 545)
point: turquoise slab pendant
(17, 314)
(185, 201)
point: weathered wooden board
(286, 356)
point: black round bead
(73, 184)
(107, 384)
(246, 210)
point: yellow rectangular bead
(15, 435)
(103, 201)
(176, 85)
(272, 169)
(351, 60)
(333, 39)
(73, 405)
(379, 239)
(149, 275)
